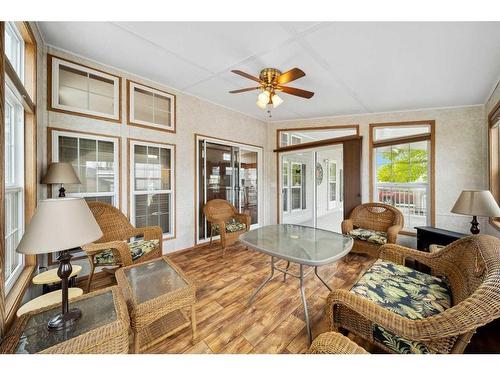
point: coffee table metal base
(299, 276)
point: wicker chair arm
(119, 248)
(149, 233)
(334, 343)
(244, 218)
(347, 226)
(398, 254)
(220, 223)
(392, 233)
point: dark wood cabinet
(427, 236)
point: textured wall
(461, 154)
(193, 116)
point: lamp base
(62, 321)
(62, 192)
(474, 228)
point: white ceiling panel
(352, 67)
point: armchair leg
(91, 275)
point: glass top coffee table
(305, 246)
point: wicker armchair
(383, 220)
(334, 343)
(225, 220)
(114, 247)
(470, 267)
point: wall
(461, 154)
(193, 116)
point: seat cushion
(372, 236)
(406, 292)
(232, 226)
(137, 249)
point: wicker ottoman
(102, 329)
(157, 293)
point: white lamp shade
(59, 224)
(276, 100)
(61, 173)
(476, 203)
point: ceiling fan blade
(244, 90)
(290, 76)
(297, 92)
(246, 75)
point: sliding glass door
(227, 171)
(311, 187)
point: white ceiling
(353, 67)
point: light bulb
(276, 100)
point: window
(96, 162)
(332, 181)
(14, 187)
(14, 48)
(401, 161)
(286, 186)
(77, 89)
(494, 157)
(298, 187)
(288, 137)
(151, 107)
(152, 185)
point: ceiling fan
(271, 81)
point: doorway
(311, 185)
(230, 171)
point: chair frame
(218, 212)
(389, 220)
(471, 266)
(117, 231)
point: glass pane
(101, 94)
(162, 110)
(153, 209)
(88, 165)
(306, 136)
(285, 199)
(141, 164)
(284, 139)
(14, 48)
(13, 232)
(101, 104)
(400, 131)
(249, 184)
(296, 199)
(296, 174)
(165, 169)
(143, 105)
(9, 144)
(105, 171)
(154, 168)
(73, 87)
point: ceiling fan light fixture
(261, 105)
(276, 100)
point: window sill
(15, 296)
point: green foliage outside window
(402, 165)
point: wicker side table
(102, 329)
(157, 293)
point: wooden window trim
(50, 107)
(172, 128)
(10, 302)
(129, 175)
(429, 136)
(50, 132)
(493, 165)
(327, 127)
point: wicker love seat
(372, 225)
(114, 248)
(406, 311)
(225, 221)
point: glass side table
(157, 293)
(102, 329)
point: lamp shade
(59, 224)
(476, 203)
(61, 173)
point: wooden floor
(273, 324)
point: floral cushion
(231, 226)
(406, 292)
(369, 235)
(137, 249)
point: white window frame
(170, 191)
(131, 109)
(17, 187)
(55, 158)
(332, 202)
(10, 27)
(56, 63)
(286, 167)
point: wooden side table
(102, 329)
(48, 278)
(157, 293)
(47, 299)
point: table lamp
(60, 225)
(61, 173)
(476, 203)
